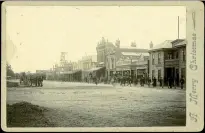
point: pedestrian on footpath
(112, 81)
(170, 82)
(160, 82)
(175, 82)
(154, 82)
(182, 82)
(149, 81)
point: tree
(9, 71)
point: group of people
(123, 80)
(129, 80)
(30, 80)
(170, 82)
(90, 78)
(173, 82)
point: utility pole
(178, 27)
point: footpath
(146, 86)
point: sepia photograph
(96, 66)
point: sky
(36, 35)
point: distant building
(168, 59)
(103, 48)
(89, 62)
(113, 57)
(75, 66)
(80, 64)
(131, 60)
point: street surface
(88, 105)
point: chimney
(151, 45)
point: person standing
(175, 82)
(170, 82)
(182, 82)
(149, 81)
(160, 81)
(154, 82)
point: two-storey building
(128, 60)
(168, 59)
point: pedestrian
(182, 82)
(141, 81)
(112, 81)
(95, 79)
(154, 82)
(170, 82)
(160, 81)
(130, 80)
(149, 81)
(175, 82)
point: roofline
(159, 49)
(184, 45)
(133, 49)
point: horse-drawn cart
(31, 79)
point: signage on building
(171, 63)
(123, 62)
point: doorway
(169, 72)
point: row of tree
(9, 71)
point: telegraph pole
(178, 27)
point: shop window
(170, 55)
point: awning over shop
(94, 69)
(70, 72)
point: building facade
(103, 48)
(89, 62)
(105, 55)
(168, 59)
(123, 60)
(132, 64)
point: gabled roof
(164, 45)
(179, 42)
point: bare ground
(67, 105)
